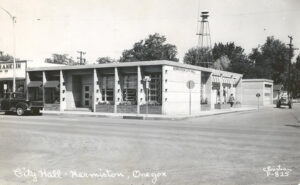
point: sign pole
(190, 85)
(190, 105)
(258, 103)
(258, 95)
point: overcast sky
(107, 27)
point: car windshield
(18, 95)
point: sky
(106, 27)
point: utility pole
(81, 59)
(13, 18)
(291, 46)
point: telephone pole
(291, 46)
(81, 59)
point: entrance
(86, 96)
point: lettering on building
(183, 69)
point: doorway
(86, 96)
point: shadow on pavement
(295, 126)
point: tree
(6, 57)
(152, 48)
(228, 57)
(198, 56)
(298, 62)
(105, 60)
(271, 60)
(61, 59)
(222, 63)
(238, 60)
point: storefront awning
(35, 84)
(216, 79)
(227, 80)
(51, 84)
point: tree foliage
(271, 60)
(61, 59)
(152, 48)
(297, 65)
(222, 63)
(238, 60)
(228, 57)
(198, 56)
(5, 57)
(105, 60)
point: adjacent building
(253, 87)
(6, 76)
(154, 87)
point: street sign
(190, 84)
(258, 95)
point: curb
(145, 117)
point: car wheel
(20, 111)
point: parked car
(284, 99)
(16, 102)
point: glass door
(86, 96)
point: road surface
(230, 149)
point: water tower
(204, 39)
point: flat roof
(131, 64)
(258, 80)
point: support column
(116, 90)
(164, 85)
(221, 90)
(95, 88)
(62, 89)
(27, 82)
(139, 88)
(208, 90)
(43, 88)
(239, 90)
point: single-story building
(6, 76)
(157, 87)
(252, 87)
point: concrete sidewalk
(153, 116)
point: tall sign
(6, 70)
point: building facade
(6, 76)
(253, 86)
(123, 87)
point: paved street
(231, 149)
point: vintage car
(17, 102)
(284, 99)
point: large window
(107, 88)
(155, 88)
(35, 94)
(52, 95)
(129, 88)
